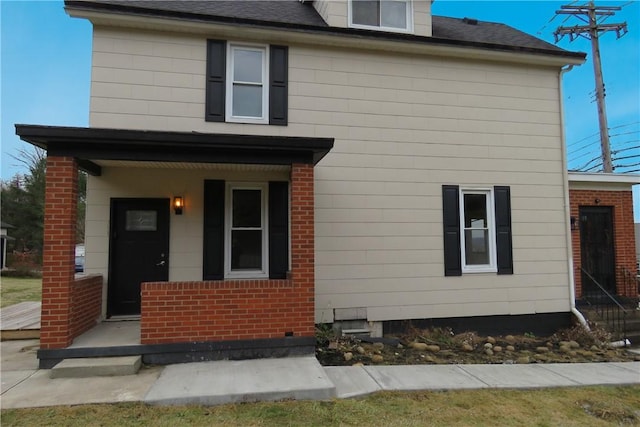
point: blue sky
(46, 59)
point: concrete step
(239, 381)
(97, 367)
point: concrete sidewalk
(210, 383)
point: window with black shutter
(246, 83)
(246, 230)
(477, 230)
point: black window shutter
(451, 223)
(213, 249)
(503, 229)
(278, 229)
(278, 85)
(216, 74)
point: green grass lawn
(572, 406)
(14, 290)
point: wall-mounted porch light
(574, 225)
(178, 204)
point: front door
(139, 251)
(596, 245)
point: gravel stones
(467, 347)
(420, 346)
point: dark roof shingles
(294, 12)
(485, 32)
(287, 11)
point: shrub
(23, 264)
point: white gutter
(567, 206)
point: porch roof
(88, 145)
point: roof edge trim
(80, 9)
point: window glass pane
(247, 101)
(476, 247)
(247, 65)
(475, 211)
(247, 208)
(246, 249)
(365, 12)
(394, 14)
(141, 221)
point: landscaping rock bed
(443, 346)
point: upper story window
(246, 83)
(388, 15)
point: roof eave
(89, 144)
(600, 178)
(332, 36)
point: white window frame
(246, 274)
(409, 28)
(264, 49)
(491, 225)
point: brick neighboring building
(602, 236)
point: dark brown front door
(597, 247)
(139, 251)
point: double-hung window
(388, 15)
(477, 230)
(247, 79)
(246, 83)
(246, 230)
(246, 238)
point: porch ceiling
(91, 146)
(242, 167)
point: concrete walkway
(211, 383)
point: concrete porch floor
(110, 334)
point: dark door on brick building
(597, 248)
(139, 251)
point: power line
(598, 133)
(586, 137)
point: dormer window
(386, 15)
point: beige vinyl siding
(403, 126)
(334, 12)
(422, 18)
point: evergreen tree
(22, 202)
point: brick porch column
(303, 240)
(58, 264)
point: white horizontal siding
(403, 126)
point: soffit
(235, 167)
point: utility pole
(593, 16)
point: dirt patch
(443, 346)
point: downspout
(567, 205)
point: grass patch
(16, 289)
(593, 406)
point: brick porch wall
(58, 263)
(224, 310)
(86, 304)
(242, 309)
(623, 228)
